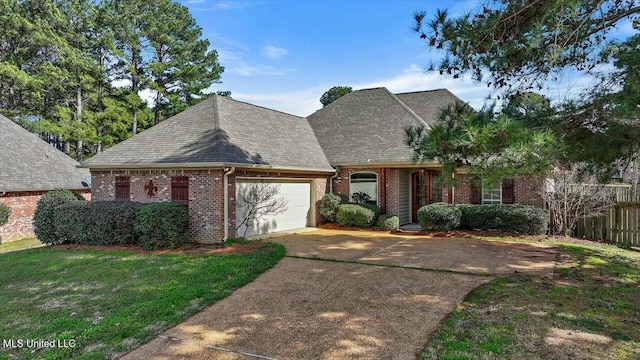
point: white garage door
(288, 208)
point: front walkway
(307, 308)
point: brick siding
(23, 205)
(526, 191)
(206, 194)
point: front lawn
(109, 302)
(590, 309)
(21, 244)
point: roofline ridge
(421, 91)
(216, 127)
(408, 109)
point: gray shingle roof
(366, 126)
(428, 104)
(30, 164)
(221, 131)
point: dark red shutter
(476, 194)
(508, 194)
(123, 188)
(180, 189)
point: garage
(277, 205)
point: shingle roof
(221, 131)
(366, 126)
(428, 104)
(30, 164)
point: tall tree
(334, 94)
(181, 64)
(126, 19)
(517, 46)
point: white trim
(491, 201)
(377, 184)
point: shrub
(43, 217)
(97, 223)
(374, 208)
(329, 205)
(355, 215)
(360, 197)
(388, 222)
(5, 212)
(162, 225)
(524, 219)
(439, 216)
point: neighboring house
(205, 155)
(29, 167)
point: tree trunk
(156, 117)
(135, 122)
(79, 150)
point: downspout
(331, 180)
(227, 172)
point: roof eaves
(203, 165)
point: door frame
(428, 199)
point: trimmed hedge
(162, 225)
(329, 204)
(43, 217)
(5, 212)
(439, 216)
(97, 223)
(388, 222)
(358, 215)
(524, 219)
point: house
(209, 154)
(29, 167)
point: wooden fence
(620, 225)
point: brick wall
(526, 191)
(388, 203)
(206, 194)
(23, 205)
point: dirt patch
(192, 249)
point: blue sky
(284, 54)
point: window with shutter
(508, 193)
(123, 188)
(476, 196)
(180, 190)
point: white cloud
(301, 103)
(273, 52)
(203, 5)
(233, 58)
(415, 78)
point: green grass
(21, 244)
(589, 309)
(110, 302)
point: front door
(425, 190)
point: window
(491, 192)
(123, 187)
(498, 193)
(364, 185)
(180, 189)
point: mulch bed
(192, 248)
(470, 233)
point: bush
(374, 208)
(162, 225)
(5, 212)
(97, 223)
(388, 222)
(43, 217)
(329, 205)
(439, 216)
(355, 215)
(360, 197)
(524, 219)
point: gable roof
(368, 126)
(221, 132)
(428, 104)
(28, 163)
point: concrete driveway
(314, 309)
